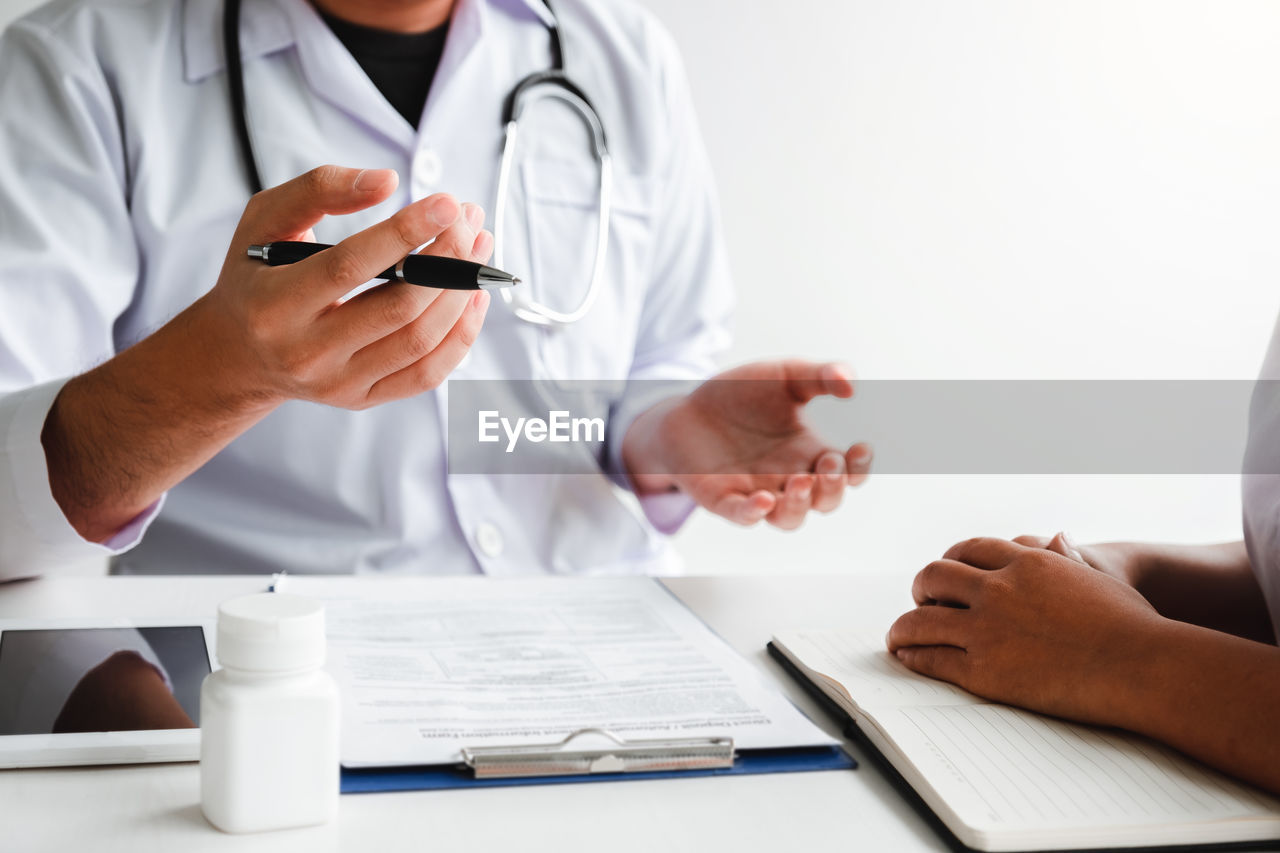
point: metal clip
(618, 755)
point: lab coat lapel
(466, 31)
(334, 76)
(264, 29)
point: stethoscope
(541, 85)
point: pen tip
(515, 279)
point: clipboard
(595, 755)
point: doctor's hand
(122, 433)
(739, 446)
(285, 333)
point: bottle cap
(271, 632)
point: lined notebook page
(869, 674)
(1001, 768)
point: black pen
(422, 270)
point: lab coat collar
(265, 28)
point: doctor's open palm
(739, 445)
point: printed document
(430, 666)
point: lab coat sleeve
(684, 323)
(68, 268)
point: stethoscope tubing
(537, 86)
(522, 303)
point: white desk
(156, 808)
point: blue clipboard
(367, 780)
(440, 777)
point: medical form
(428, 667)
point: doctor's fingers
(795, 502)
(432, 369)
(828, 488)
(806, 379)
(335, 272)
(460, 239)
(836, 472)
(857, 462)
(744, 509)
(287, 211)
(372, 315)
(398, 348)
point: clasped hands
(1035, 623)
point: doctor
(182, 419)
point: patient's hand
(1029, 627)
(1118, 559)
(123, 693)
(738, 445)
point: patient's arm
(1208, 585)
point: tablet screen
(100, 679)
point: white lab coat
(120, 186)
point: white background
(993, 190)
(987, 190)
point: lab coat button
(488, 539)
(427, 169)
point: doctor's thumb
(286, 211)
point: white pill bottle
(269, 718)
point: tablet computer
(106, 691)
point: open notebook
(1005, 779)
